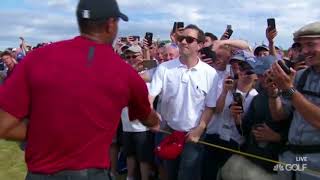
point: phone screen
(208, 53)
(228, 70)
(233, 74)
(180, 25)
(237, 97)
(174, 27)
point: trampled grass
(12, 164)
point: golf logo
(300, 165)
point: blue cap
(261, 64)
(243, 56)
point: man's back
(74, 91)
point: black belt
(82, 173)
(302, 149)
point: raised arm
(309, 111)
(235, 43)
(271, 34)
(227, 86)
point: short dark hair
(212, 36)
(88, 26)
(6, 53)
(201, 36)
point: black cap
(99, 10)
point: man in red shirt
(74, 103)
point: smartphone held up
(238, 99)
(284, 67)
(271, 24)
(149, 37)
(229, 31)
(207, 53)
(177, 26)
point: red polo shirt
(73, 93)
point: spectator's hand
(236, 112)
(300, 65)
(145, 44)
(155, 128)
(195, 134)
(118, 45)
(179, 31)
(22, 39)
(228, 84)
(173, 37)
(225, 36)
(206, 60)
(271, 34)
(266, 134)
(138, 66)
(280, 78)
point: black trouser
(214, 158)
(86, 174)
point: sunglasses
(188, 39)
(247, 71)
(131, 57)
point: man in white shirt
(138, 141)
(188, 89)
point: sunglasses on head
(188, 39)
(132, 56)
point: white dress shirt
(223, 123)
(184, 92)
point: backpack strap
(302, 81)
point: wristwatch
(288, 93)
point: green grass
(12, 164)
